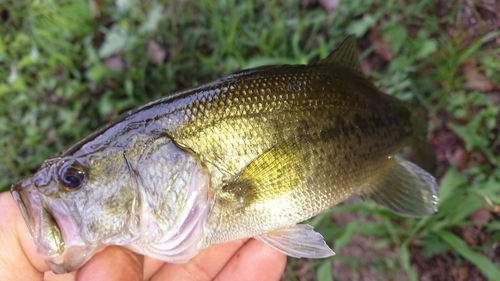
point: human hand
(238, 260)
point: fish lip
(41, 224)
(19, 192)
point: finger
(151, 266)
(204, 266)
(18, 255)
(254, 261)
(113, 263)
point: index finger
(113, 263)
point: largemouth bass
(249, 155)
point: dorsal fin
(345, 55)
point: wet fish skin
(249, 155)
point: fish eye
(72, 175)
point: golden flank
(249, 155)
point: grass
(63, 73)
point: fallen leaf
(114, 63)
(381, 47)
(329, 5)
(460, 157)
(494, 97)
(481, 216)
(366, 65)
(475, 80)
(156, 54)
(463, 273)
(470, 235)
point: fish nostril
(42, 178)
(37, 182)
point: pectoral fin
(405, 188)
(275, 172)
(299, 241)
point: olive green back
(231, 122)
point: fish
(252, 154)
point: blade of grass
(489, 269)
(347, 235)
(404, 259)
(449, 184)
(324, 271)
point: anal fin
(405, 189)
(299, 241)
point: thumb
(18, 257)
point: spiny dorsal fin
(345, 55)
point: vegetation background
(67, 67)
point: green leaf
(360, 27)
(404, 259)
(449, 184)
(493, 226)
(432, 245)
(428, 48)
(347, 235)
(462, 209)
(491, 195)
(97, 72)
(152, 19)
(489, 269)
(396, 35)
(474, 140)
(118, 39)
(324, 271)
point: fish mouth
(41, 224)
(53, 229)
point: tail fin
(419, 151)
(407, 187)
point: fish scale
(281, 111)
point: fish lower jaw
(73, 258)
(75, 250)
(54, 232)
